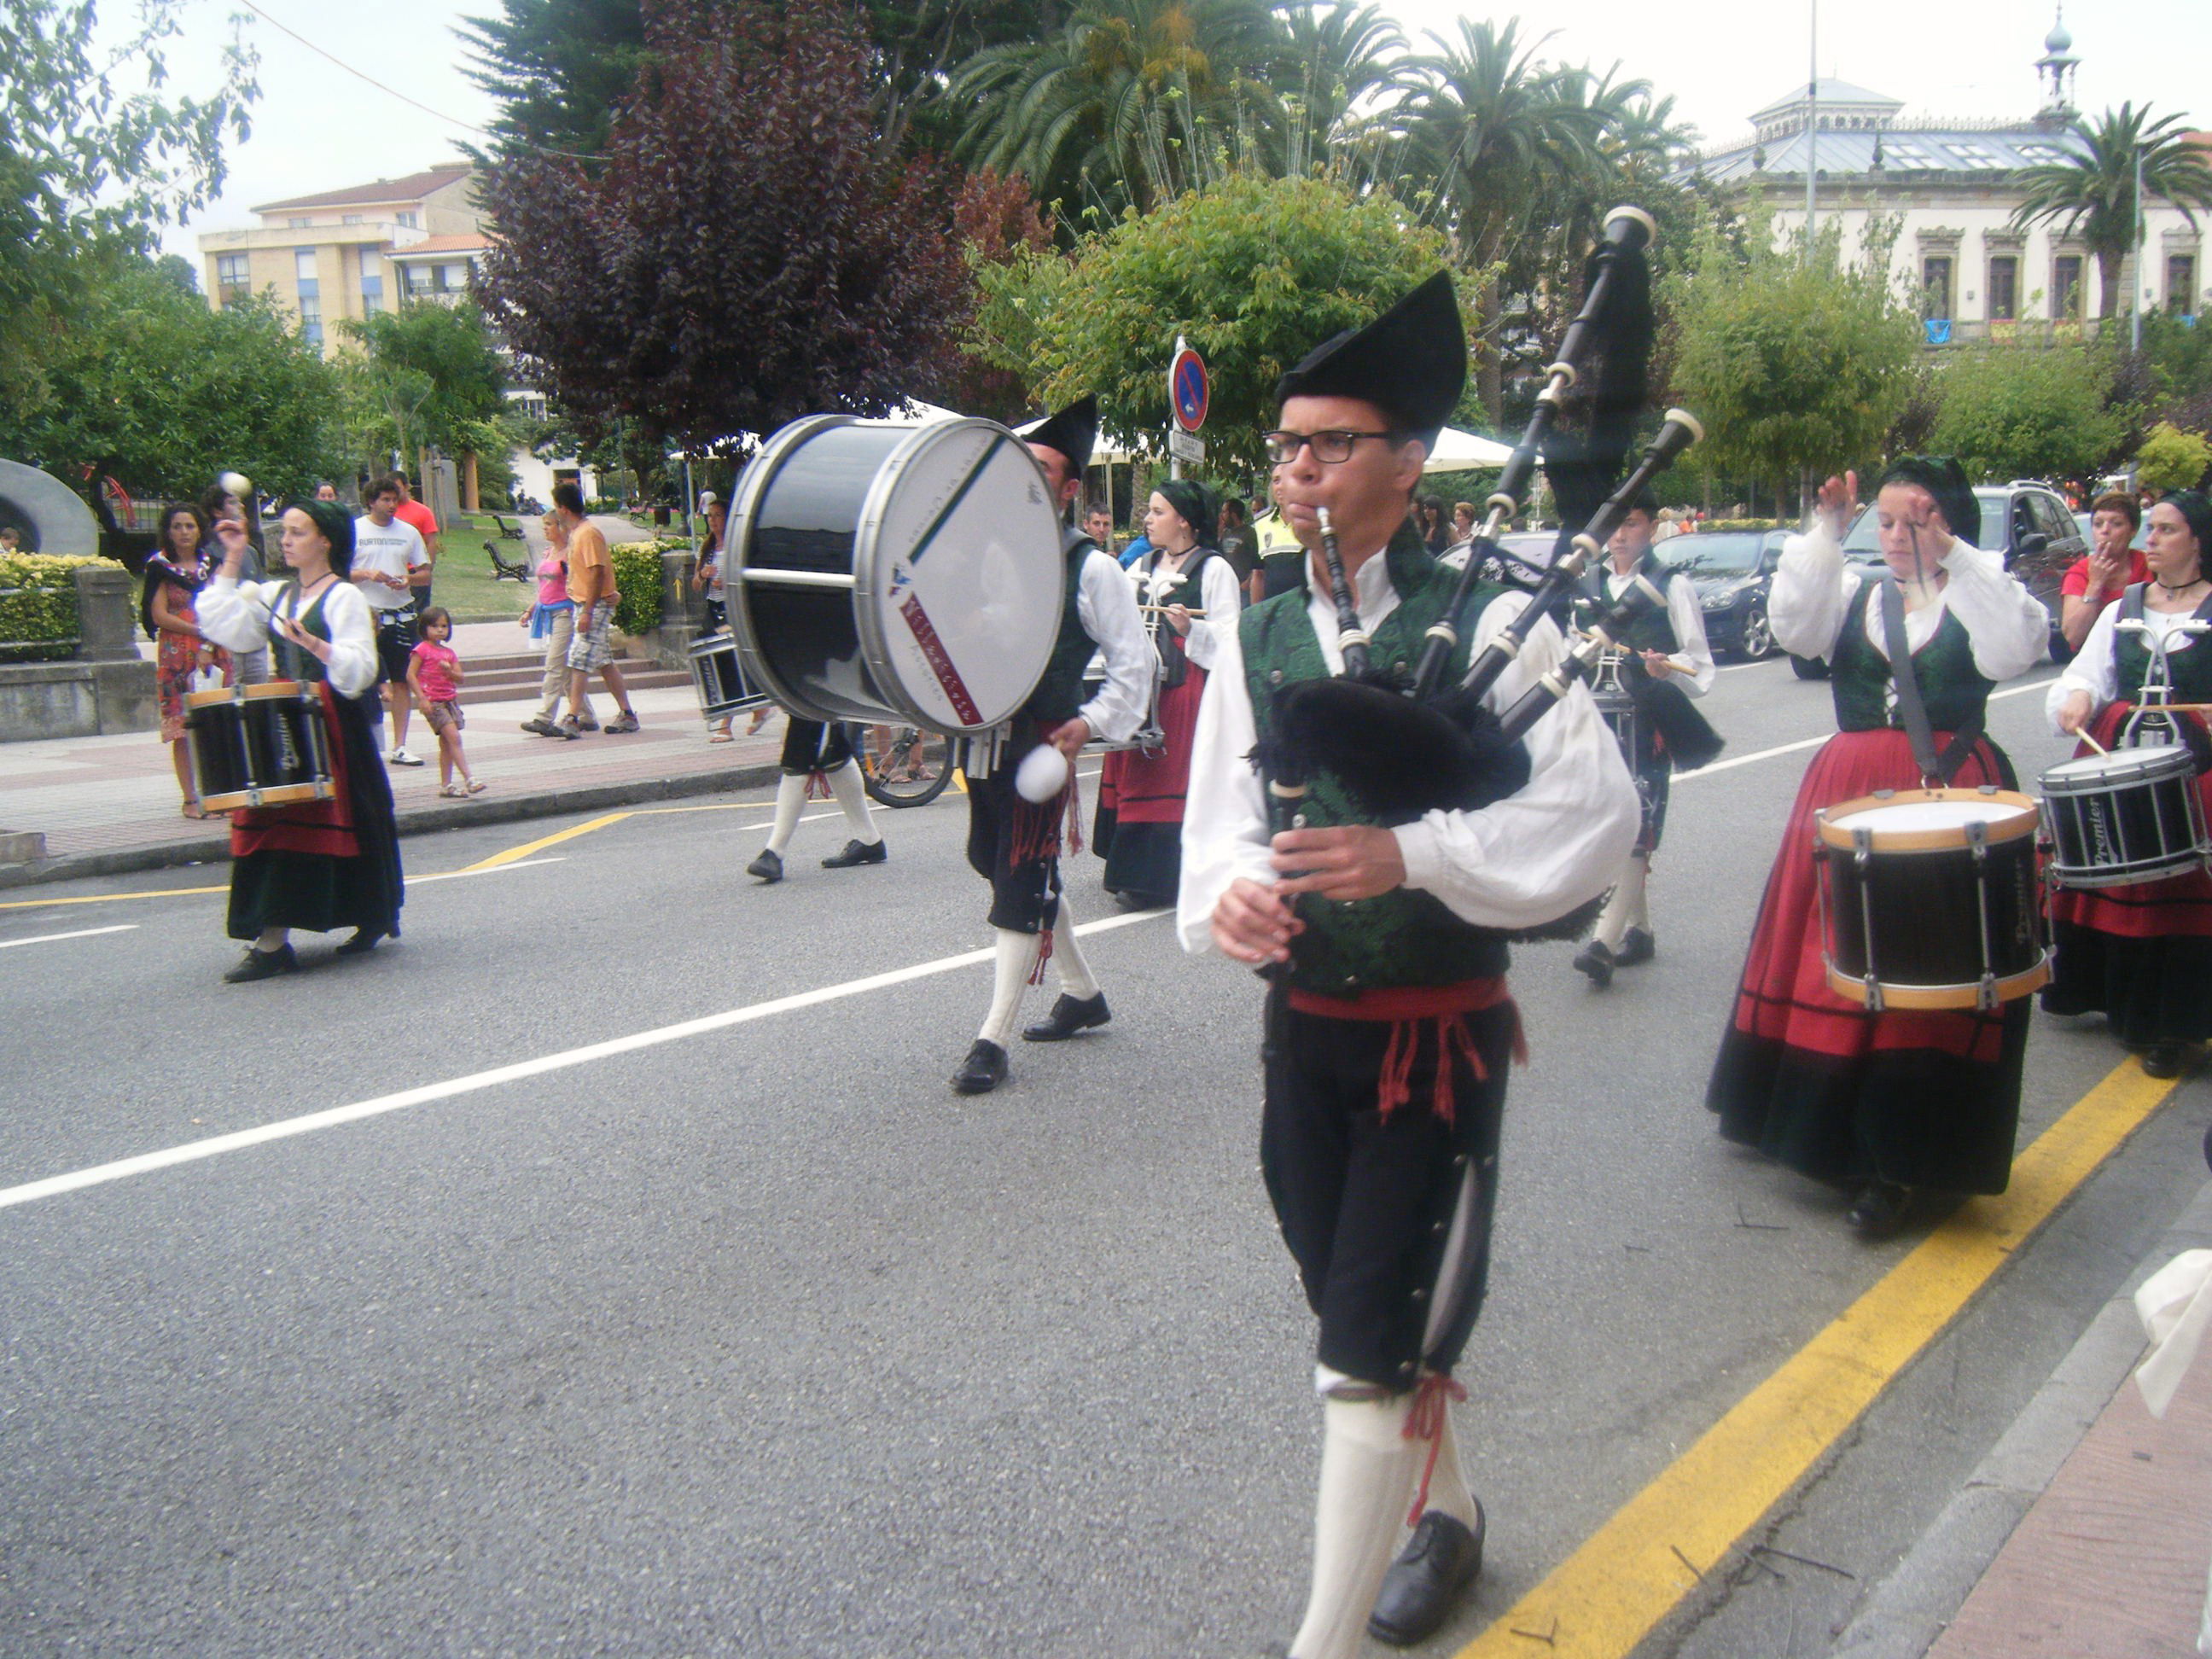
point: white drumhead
(961, 581)
(1904, 817)
(2121, 765)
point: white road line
(191, 1151)
(496, 870)
(81, 932)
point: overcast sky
(318, 128)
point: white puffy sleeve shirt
(235, 615)
(1519, 862)
(2093, 668)
(2007, 625)
(1687, 618)
(1106, 605)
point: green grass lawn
(465, 584)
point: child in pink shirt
(435, 676)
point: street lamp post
(2135, 326)
(1812, 118)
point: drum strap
(1944, 767)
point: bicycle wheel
(904, 765)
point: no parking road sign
(1188, 389)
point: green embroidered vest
(1951, 687)
(1059, 694)
(2189, 669)
(1404, 937)
(294, 663)
(1654, 629)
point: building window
(409, 217)
(2181, 283)
(231, 280)
(310, 320)
(2004, 288)
(454, 279)
(372, 292)
(418, 279)
(372, 263)
(303, 263)
(2066, 288)
(1935, 287)
(298, 224)
(1903, 153)
(2040, 153)
(351, 219)
(1978, 157)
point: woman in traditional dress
(317, 865)
(1139, 827)
(2142, 954)
(1881, 1104)
(175, 572)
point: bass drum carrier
(895, 574)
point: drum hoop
(213, 696)
(867, 555)
(751, 491)
(2147, 767)
(2009, 987)
(272, 690)
(2024, 822)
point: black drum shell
(1927, 909)
(719, 678)
(2116, 825)
(258, 744)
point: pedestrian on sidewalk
(592, 590)
(435, 676)
(175, 572)
(425, 523)
(386, 553)
(326, 864)
(706, 582)
(553, 619)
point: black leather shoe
(364, 940)
(1636, 946)
(1598, 962)
(1069, 1015)
(984, 1069)
(1436, 1566)
(1880, 1209)
(768, 867)
(2162, 1060)
(857, 852)
(263, 964)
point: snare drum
(1928, 899)
(895, 574)
(258, 745)
(2128, 817)
(720, 678)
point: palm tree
(2092, 194)
(1339, 66)
(1128, 104)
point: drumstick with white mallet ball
(1042, 775)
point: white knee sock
(1017, 956)
(1640, 916)
(790, 796)
(1448, 1487)
(852, 795)
(1613, 921)
(1075, 975)
(1367, 1473)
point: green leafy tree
(1255, 272)
(427, 373)
(152, 388)
(2171, 459)
(95, 154)
(557, 69)
(2091, 194)
(1795, 365)
(2025, 412)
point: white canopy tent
(1466, 451)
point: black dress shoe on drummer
(263, 964)
(1880, 1209)
(364, 940)
(1069, 1015)
(857, 852)
(984, 1069)
(1430, 1573)
(2163, 1060)
(1636, 946)
(1598, 962)
(768, 867)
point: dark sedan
(1732, 569)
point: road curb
(413, 821)
(1910, 1609)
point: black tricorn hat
(1072, 431)
(1410, 362)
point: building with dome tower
(1949, 184)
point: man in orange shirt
(412, 512)
(592, 590)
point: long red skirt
(1923, 1099)
(1139, 827)
(2140, 954)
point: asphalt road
(753, 1339)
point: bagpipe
(1401, 748)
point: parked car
(1732, 571)
(2028, 523)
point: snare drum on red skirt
(258, 745)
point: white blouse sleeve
(1689, 616)
(1531, 858)
(1106, 605)
(352, 666)
(2009, 627)
(1224, 600)
(235, 614)
(1813, 588)
(1225, 820)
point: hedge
(637, 579)
(45, 609)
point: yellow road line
(1608, 1596)
(112, 899)
(544, 842)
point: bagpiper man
(1390, 1029)
(1014, 844)
(1668, 661)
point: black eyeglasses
(1329, 447)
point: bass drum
(895, 574)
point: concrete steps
(505, 678)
